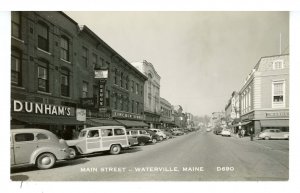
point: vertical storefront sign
(101, 94)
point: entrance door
(93, 141)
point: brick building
(166, 116)
(53, 85)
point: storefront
(64, 121)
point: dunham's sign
(43, 109)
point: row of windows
(43, 41)
(165, 111)
(246, 101)
(124, 82)
(123, 103)
(42, 75)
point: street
(196, 156)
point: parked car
(273, 134)
(168, 133)
(99, 139)
(177, 132)
(208, 129)
(226, 132)
(141, 135)
(132, 139)
(155, 137)
(161, 134)
(39, 147)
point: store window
(65, 83)
(43, 36)
(16, 24)
(16, 68)
(43, 78)
(64, 48)
(278, 90)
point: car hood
(73, 142)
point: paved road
(198, 156)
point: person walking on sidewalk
(251, 133)
(243, 132)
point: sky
(201, 57)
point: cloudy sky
(202, 57)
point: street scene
(195, 156)
(149, 96)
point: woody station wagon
(97, 139)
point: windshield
(82, 134)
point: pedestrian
(251, 133)
(243, 132)
(240, 133)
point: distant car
(168, 133)
(161, 134)
(155, 137)
(208, 129)
(141, 135)
(36, 147)
(273, 134)
(226, 132)
(177, 132)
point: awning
(101, 122)
(130, 123)
(46, 120)
(242, 123)
(274, 123)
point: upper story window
(95, 61)
(84, 89)
(85, 56)
(278, 94)
(122, 81)
(65, 82)
(43, 76)
(116, 76)
(64, 48)
(278, 64)
(142, 88)
(126, 83)
(132, 86)
(137, 88)
(43, 36)
(16, 24)
(16, 67)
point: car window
(24, 137)
(143, 132)
(119, 131)
(93, 133)
(106, 132)
(134, 132)
(272, 131)
(42, 136)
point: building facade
(179, 116)
(53, 84)
(151, 93)
(264, 98)
(166, 116)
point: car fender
(42, 150)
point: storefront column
(257, 127)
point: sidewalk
(245, 138)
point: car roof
(104, 127)
(29, 130)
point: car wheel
(154, 140)
(267, 138)
(115, 149)
(72, 152)
(161, 138)
(142, 143)
(45, 161)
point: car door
(24, 145)
(93, 141)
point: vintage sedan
(226, 132)
(141, 135)
(273, 134)
(31, 146)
